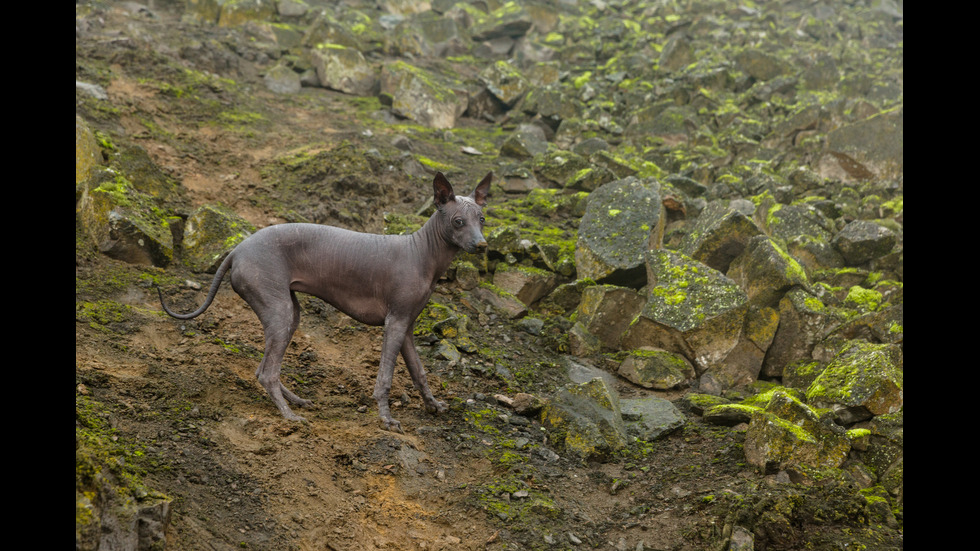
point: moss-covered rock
(863, 380)
(124, 223)
(656, 369)
(719, 235)
(803, 319)
(766, 272)
(88, 154)
(585, 420)
(623, 220)
(344, 69)
(211, 232)
(691, 309)
(238, 12)
(418, 95)
(789, 433)
(863, 240)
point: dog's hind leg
(415, 369)
(279, 315)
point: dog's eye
(458, 222)
(482, 219)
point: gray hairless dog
(375, 279)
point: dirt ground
(241, 476)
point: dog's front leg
(415, 368)
(394, 336)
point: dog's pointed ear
(443, 190)
(482, 190)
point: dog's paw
(437, 406)
(391, 425)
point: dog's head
(462, 216)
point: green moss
(435, 165)
(865, 299)
(102, 453)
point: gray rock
(427, 35)
(93, 90)
(606, 311)
(862, 240)
(719, 235)
(509, 21)
(869, 149)
(282, 80)
(760, 65)
(525, 142)
(505, 82)
(651, 417)
(528, 284)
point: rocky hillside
(687, 331)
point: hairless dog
(375, 279)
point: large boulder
(623, 220)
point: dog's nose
(480, 247)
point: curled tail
(215, 283)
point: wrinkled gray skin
(375, 279)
